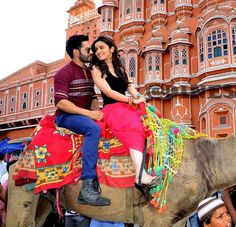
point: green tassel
(29, 187)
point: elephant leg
(43, 210)
(21, 205)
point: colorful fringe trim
(167, 151)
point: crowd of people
(78, 111)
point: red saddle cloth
(54, 159)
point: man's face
(220, 218)
(85, 53)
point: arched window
(109, 15)
(139, 5)
(203, 124)
(128, 11)
(51, 101)
(234, 39)
(217, 44)
(155, 2)
(132, 67)
(36, 103)
(184, 57)
(103, 16)
(120, 9)
(201, 50)
(162, 1)
(24, 106)
(176, 57)
(128, 5)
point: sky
(32, 30)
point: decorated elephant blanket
(54, 157)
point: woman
(120, 116)
(212, 212)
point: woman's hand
(139, 100)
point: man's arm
(95, 104)
(2, 194)
(228, 203)
(69, 107)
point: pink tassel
(61, 216)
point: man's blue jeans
(81, 124)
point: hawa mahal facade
(180, 53)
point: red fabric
(119, 182)
(53, 159)
(125, 123)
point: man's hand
(96, 115)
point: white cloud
(32, 30)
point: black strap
(143, 163)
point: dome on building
(179, 36)
(155, 42)
(182, 25)
(108, 3)
(157, 34)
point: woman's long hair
(102, 66)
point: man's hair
(75, 42)
(2, 156)
(9, 164)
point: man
(74, 91)
(212, 212)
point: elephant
(207, 167)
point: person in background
(229, 198)
(74, 92)
(212, 212)
(3, 192)
(3, 165)
(74, 219)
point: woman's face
(103, 51)
(220, 218)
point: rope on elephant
(166, 142)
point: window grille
(217, 44)
(201, 50)
(234, 39)
(176, 57)
(223, 120)
(150, 63)
(157, 63)
(184, 57)
(132, 67)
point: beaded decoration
(166, 142)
